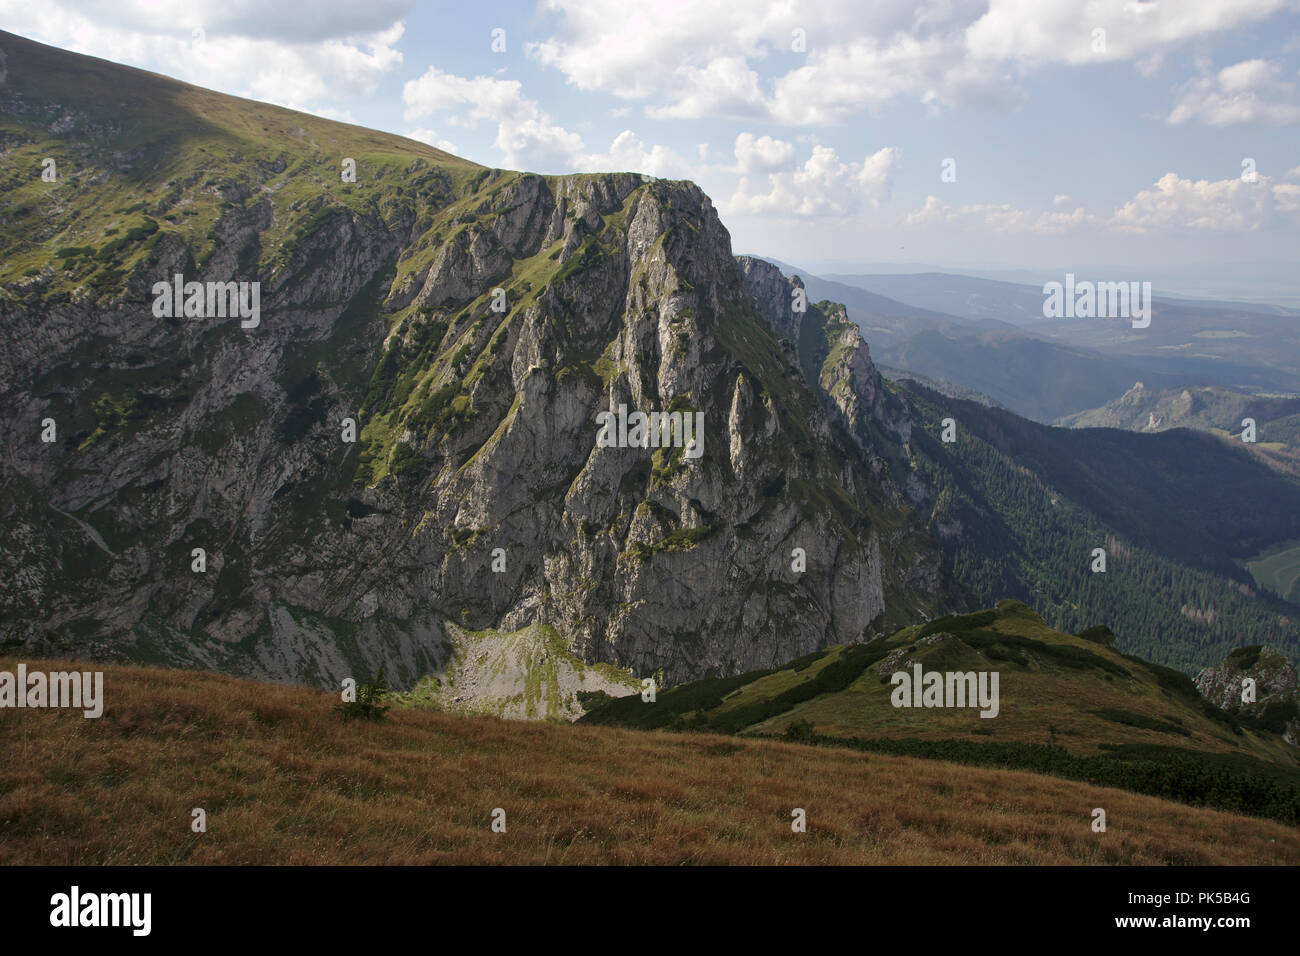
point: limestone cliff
(403, 448)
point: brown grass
(284, 780)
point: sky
(1160, 138)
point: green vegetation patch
(1243, 785)
(1130, 719)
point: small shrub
(799, 730)
(369, 703)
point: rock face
(404, 448)
(1276, 706)
(527, 675)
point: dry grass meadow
(284, 779)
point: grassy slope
(1278, 570)
(284, 780)
(1068, 705)
(1057, 691)
(143, 145)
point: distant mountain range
(971, 297)
(991, 337)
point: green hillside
(1068, 705)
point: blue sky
(1073, 149)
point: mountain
(405, 442)
(1038, 379)
(881, 317)
(966, 297)
(938, 385)
(1020, 509)
(979, 297)
(202, 501)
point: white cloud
(1002, 217)
(721, 59)
(252, 19)
(628, 154)
(1228, 205)
(773, 183)
(526, 135)
(433, 139)
(1171, 207)
(1035, 32)
(763, 155)
(725, 86)
(1252, 91)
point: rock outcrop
(1276, 691)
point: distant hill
(1019, 507)
(1225, 343)
(1216, 410)
(1033, 377)
(1244, 345)
(939, 385)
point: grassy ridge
(1070, 705)
(184, 156)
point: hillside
(283, 780)
(1019, 509)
